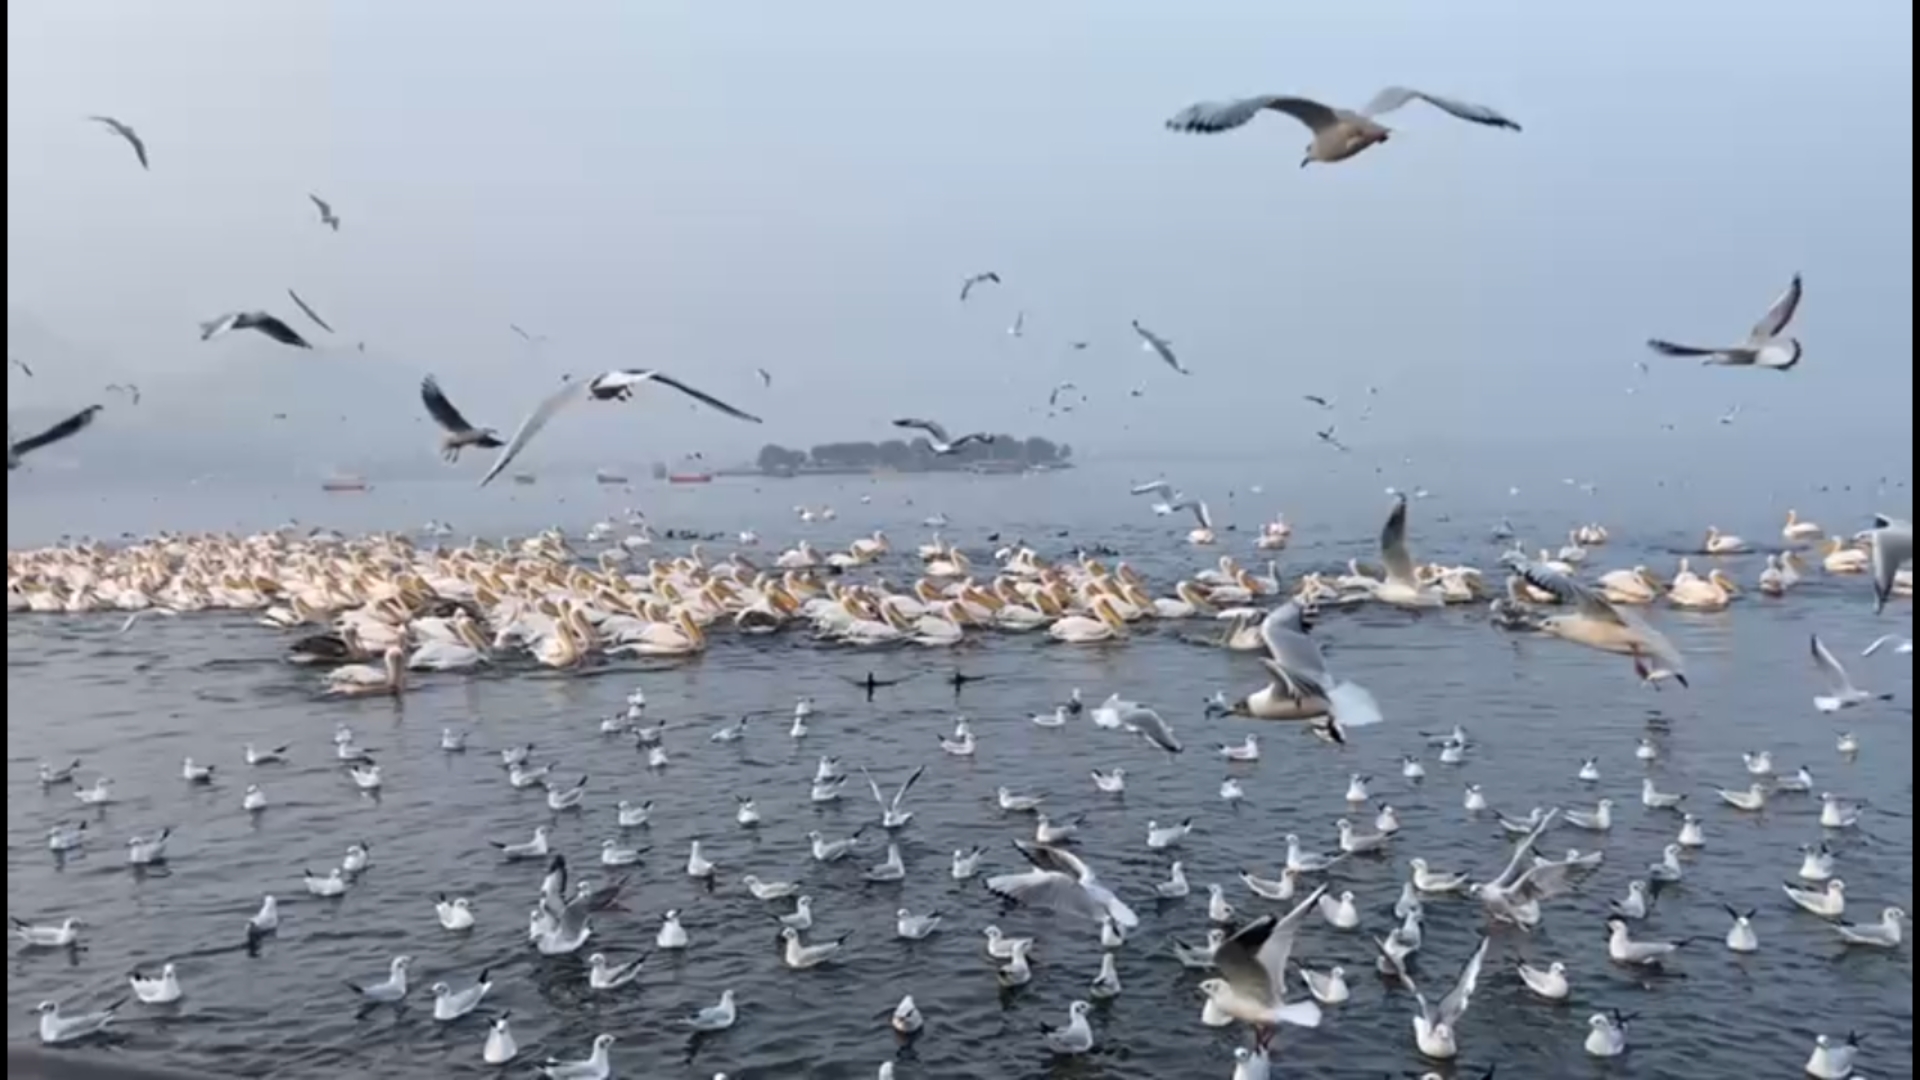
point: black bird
(72, 425)
(1318, 400)
(1330, 439)
(959, 681)
(873, 682)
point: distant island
(1005, 454)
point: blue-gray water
(131, 706)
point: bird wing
(1047, 891)
(766, 377)
(1569, 591)
(1525, 848)
(1670, 348)
(70, 426)
(1055, 860)
(1454, 1005)
(311, 314)
(1393, 544)
(1891, 545)
(1147, 723)
(218, 325)
(939, 433)
(274, 327)
(1779, 315)
(127, 133)
(1394, 97)
(1161, 347)
(441, 409)
(539, 418)
(874, 786)
(900, 796)
(631, 378)
(1829, 666)
(1157, 487)
(1254, 959)
(326, 210)
(1210, 117)
(1297, 658)
(1200, 512)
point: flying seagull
(327, 217)
(1054, 398)
(1332, 440)
(311, 314)
(127, 133)
(534, 339)
(937, 435)
(21, 364)
(460, 434)
(1078, 346)
(1764, 346)
(766, 377)
(269, 325)
(1159, 346)
(1019, 327)
(617, 385)
(72, 425)
(1338, 134)
(1891, 544)
(130, 389)
(967, 285)
(1727, 418)
(1318, 400)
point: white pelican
(1187, 603)
(438, 654)
(1796, 531)
(359, 680)
(1635, 586)
(1841, 559)
(1596, 623)
(1574, 552)
(1763, 347)
(1774, 580)
(1402, 586)
(1105, 624)
(617, 385)
(1719, 543)
(1711, 593)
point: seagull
(1608, 1037)
(310, 313)
(890, 869)
(459, 433)
(1831, 1062)
(127, 133)
(966, 287)
(1159, 346)
(800, 956)
(766, 377)
(891, 816)
(1653, 798)
(827, 851)
(61, 935)
(672, 936)
(1623, 949)
(966, 863)
(72, 425)
(594, 1067)
(1110, 783)
(500, 1047)
(132, 390)
(1331, 438)
(450, 1005)
(1340, 912)
(1841, 693)
(1885, 934)
(14, 361)
(1741, 938)
(911, 927)
(717, 1018)
(1763, 348)
(616, 385)
(1160, 838)
(56, 1029)
(1106, 984)
(1598, 624)
(1018, 329)
(1427, 880)
(1901, 645)
(270, 325)
(1828, 902)
(1199, 957)
(801, 917)
(1147, 724)
(536, 848)
(1835, 814)
(327, 217)
(1816, 863)
(938, 438)
(1059, 881)
(1076, 1037)
(1300, 683)
(455, 914)
(1338, 134)
(161, 989)
(390, 991)
(1176, 886)
(1890, 543)
(1253, 968)
(603, 975)
(1550, 984)
(1434, 1029)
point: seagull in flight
(127, 133)
(1078, 346)
(131, 390)
(72, 425)
(766, 377)
(937, 435)
(1338, 134)
(310, 313)
(1318, 400)
(966, 286)
(270, 325)
(15, 361)
(1727, 418)
(532, 339)
(460, 434)
(327, 217)
(1330, 439)
(1019, 327)
(1159, 346)
(616, 385)
(1764, 346)
(1054, 398)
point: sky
(714, 188)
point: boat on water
(344, 482)
(690, 478)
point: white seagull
(1338, 134)
(1763, 348)
(1159, 346)
(937, 437)
(1841, 693)
(617, 385)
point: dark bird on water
(311, 314)
(959, 681)
(270, 325)
(127, 133)
(459, 433)
(72, 425)
(873, 682)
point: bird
(1741, 938)
(1436, 1030)
(1763, 347)
(161, 989)
(1076, 1037)
(72, 425)
(1831, 1061)
(390, 991)
(455, 914)
(450, 1005)
(1300, 683)
(1329, 436)
(616, 385)
(500, 1046)
(14, 361)
(1888, 933)
(1019, 327)
(1828, 901)
(1607, 1037)
(132, 390)
(800, 956)
(1253, 965)
(56, 1028)
(1338, 134)
(1599, 624)
(270, 325)
(595, 1066)
(1059, 881)
(459, 433)
(716, 1018)
(127, 133)
(1550, 984)
(1889, 546)
(1159, 346)
(310, 313)
(966, 287)
(938, 439)
(1623, 949)
(327, 217)
(1841, 693)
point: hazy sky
(715, 187)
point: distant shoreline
(978, 469)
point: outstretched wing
(543, 414)
(311, 314)
(1395, 96)
(623, 380)
(1830, 668)
(1160, 346)
(127, 133)
(72, 425)
(900, 796)
(1212, 117)
(1454, 1005)
(1393, 543)
(441, 409)
(939, 433)
(1780, 314)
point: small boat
(690, 478)
(344, 482)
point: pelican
(1719, 543)
(616, 385)
(1635, 586)
(1711, 593)
(1596, 623)
(1402, 587)
(72, 425)
(460, 434)
(938, 439)
(1763, 348)
(1841, 559)
(1104, 624)
(1774, 580)
(1796, 531)
(360, 680)
(1338, 134)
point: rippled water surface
(132, 706)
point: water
(132, 706)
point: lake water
(132, 706)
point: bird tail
(1352, 705)
(1304, 1014)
